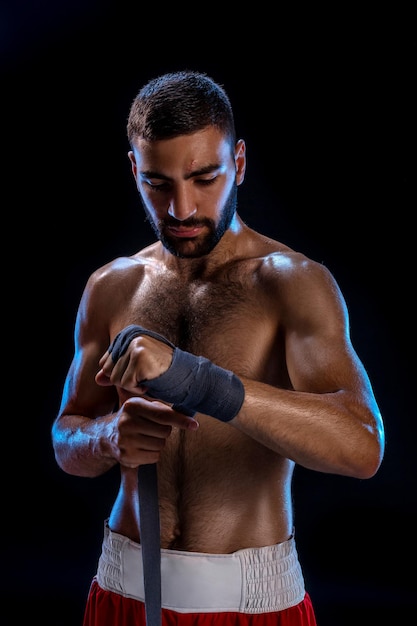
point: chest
(229, 319)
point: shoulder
(121, 268)
(301, 285)
(278, 262)
(112, 284)
(121, 271)
(106, 298)
(295, 268)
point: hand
(145, 358)
(140, 428)
(141, 361)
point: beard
(200, 246)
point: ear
(240, 161)
(132, 159)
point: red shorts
(106, 608)
(253, 586)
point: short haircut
(180, 103)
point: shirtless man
(279, 382)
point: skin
(250, 304)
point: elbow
(75, 467)
(361, 467)
(71, 460)
(368, 468)
(369, 458)
(61, 450)
(64, 459)
(372, 463)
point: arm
(329, 421)
(99, 426)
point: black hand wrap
(120, 343)
(191, 383)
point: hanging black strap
(150, 537)
(150, 541)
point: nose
(182, 205)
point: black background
(325, 101)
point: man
(222, 356)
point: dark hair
(180, 103)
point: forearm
(81, 445)
(329, 432)
(336, 432)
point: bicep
(81, 394)
(321, 363)
(319, 352)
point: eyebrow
(207, 169)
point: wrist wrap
(191, 383)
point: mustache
(191, 222)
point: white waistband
(253, 580)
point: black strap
(150, 535)
(150, 541)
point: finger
(157, 411)
(106, 364)
(106, 368)
(186, 422)
(102, 380)
(104, 358)
(145, 459)
(119, 373)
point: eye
(160, 186)
(206, 182)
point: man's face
(188, 186)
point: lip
(184, 232)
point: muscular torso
(219, 490)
